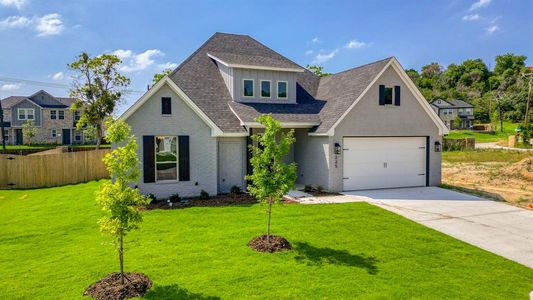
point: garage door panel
(384, 162)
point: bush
(235, 190)
(151, 196)
(174, 197)
(308, 188)
(319, 189)
(204, 195)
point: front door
(18, 137)
(66, 136)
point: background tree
(317, 70)
(159, 76)
(98, 86)
(117, 198)
(29, 131)
(271, 178)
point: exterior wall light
(438, 146)
(337, 148)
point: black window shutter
(148, 158)
(183, 158)
(381, 94)
(397, 95)
(166, 106)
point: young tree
(271, 178)
(29, 130)
(159, 76)
(117, 198)
(98, 87)
(318, 70)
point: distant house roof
(49, 102)
(456, 103)
(530, 67)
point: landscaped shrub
(204, 195)
(308, 188)
(152, 197)
(235, 190)
(319, 189)
(174, 197)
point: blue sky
(39, 38)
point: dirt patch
(511, 182)
(277, 243)
(219, 200)
(110, 288)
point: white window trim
(253, 88)
(393, 94)
(53, 111)
(155, 159)
(269, 89)
(25, 114)
(78, 113)
(58, 114)
(53, 132)
(286, 88)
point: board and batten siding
(257, 75)
(368, 118)
(15, 122)
(148, 120)
(227, 75)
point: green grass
(508, 129)
(484, 155)
(51, 248)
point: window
(77, 135)
(61, 114)
(166, 159)
(282, 89)
(77, 115)
(248, 88)
(166, 106)
(54, 132)
(53, 114)
(265, 88)
(26, 114)
(389, 95)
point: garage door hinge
(345, 178)
(421, 174)
(345, 149)
(421, 147)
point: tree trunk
(501, 119)
(121, 258)
(268, 222)
(98, 135)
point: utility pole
(526, 118)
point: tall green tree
(271, 178)
(159, 76)
(98, 87)
(117, 198)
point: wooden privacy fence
(20, 172)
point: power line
(50, 84)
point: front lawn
(50, 247)
(508, 129)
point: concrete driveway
(494, 226)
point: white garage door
(384, 162)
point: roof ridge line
(361, 66)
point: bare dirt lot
(497, 174)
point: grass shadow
(174, 291)
(312, 255)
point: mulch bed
(219, 200)
(277, 243)
(110, 288)
(323, 194)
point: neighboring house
(363, 128)
(449, 110)
(55, 122)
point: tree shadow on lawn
(319, 256)
(174, 291)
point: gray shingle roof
(459, 103)
(56, 102)
(318, 99)
(12, 101)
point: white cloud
(324, 57)
(472, 17)
(50, 24)
(168, 65)
(13, 3)
(308, 52)
(58, 76)
(355, 44)
(132, 61)
(315, 40)
(492, 29)
(480, 4)
(10, 87)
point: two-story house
(52, 116)
(364, 128)
(450, 110)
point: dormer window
(282, 89)
(265, 88)
(248, 87)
